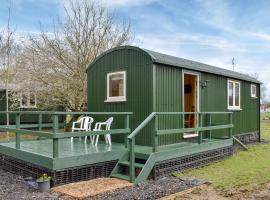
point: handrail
(65, 113)
(157, 132)
(180, 113)
(142, 125)
(55, 135)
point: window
(234, 92)
(28, 100)
(116, 86)
(253, 90)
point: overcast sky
(209, 31)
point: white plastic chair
(83, 124)
(98, 127)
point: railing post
(55, 140)
(132, 159)
(18, 122)
(40, 122)
(127, 126)
(209, 122)
(231, 122)
(200, 125)
(155, 137)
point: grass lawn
(247, 168)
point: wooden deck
(78, 153)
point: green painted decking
(78, 153)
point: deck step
(121, 176)
(127, 163)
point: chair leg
(109, 139)
(85, 139)
(71, 139)
(97, 140)
(93, 139)
(106, 139)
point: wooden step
(127, 163)
(142, 156)
(120, 176)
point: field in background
(246, 170)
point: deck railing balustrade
(55, 134)
(155, 134)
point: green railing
(209, 127)
(55, 135)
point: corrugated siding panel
(169, 98)
(139, 89)
(214, 98)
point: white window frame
(252, 94)
(234, 107)
(28, 100)
(119, 98)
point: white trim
(28, 100)
(119, 98)
(233, 107)
(189, 135)
(252, 94)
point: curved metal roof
(183, 63)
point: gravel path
(16, 187)
(150, 189)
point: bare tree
(6, 45)
(53, 64)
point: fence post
(209, 123)
(132, 159)
(199, 132)
(127, 126)
(55, 140)
(155, 138)
(231, 122)
(18, 122)
(40, 122)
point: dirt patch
(91, 188)
(206, 192)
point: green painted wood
(146, 170)
(186, 130)
(127, 163)
(155, 135)
(132, 159)
(166, 154)
(87, 133)
(28, 156)
(85, 159)
(40, 122)
(127, 127)
(125, 157)
(55, 140)
(18, 122)
(241, 144)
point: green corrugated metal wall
(139, 88)
(212, 98)
(168, 97)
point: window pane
(237, 94)
(116, 85)
(253, 90)
(24, 99)
(230, 94)
(32, 99)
